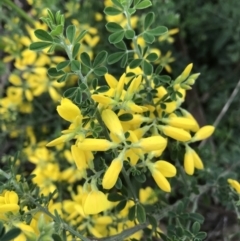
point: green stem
(19, 11)
(64, 225)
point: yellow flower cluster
(141, 140)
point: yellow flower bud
(184, 74)
(197, 161)
(180, 122)
(60, 140)
(103, 100)
(203, 133)
(166, 168)
(235, 184)
(111, 80)
(152, 143)
(175, 133)
(91, 144)
(112, 173)
(161, 181)
(113, 123)
(189, 163)
(79, 158)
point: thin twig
(224, 110)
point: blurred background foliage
(208, 37)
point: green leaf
(117, 3)
(141, 214)
(145, 50)
(39, 46)
(159, 69)
(125, 117)
(100, 58)
(57, 31)
(118, 184)
(62, 79)
(43, 35)
(196, 217)
(195, 227)
(113, 27)
(165, 78)
(124, 60)
(115, 57)
(148, 20)
(103, 88)
(70, 93)
(147, 68)
(75, 65)
(149, 38)
(132, 213)
(140, 178)
(201, 235)
(75, 50)
(115, 197)
(111, 11)
(121, 205)
(70, 33)
(11, 234)
(152, 220)
(180, 207)
(135, 63)
(53, 72)
(131, 11)
(85, 58)
(121, 45)
(136, 2)
(58, 17)
(83, 86)
(144, 4)
(56, 237)
(63, 65)
(100, 71)
(78, 96)
(129, 34)
(160, 30)
(50, 15)
(80, 36)
(116, 37)
(152, 57)
(95, 83)
(51, 49)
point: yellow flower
(111, 175)
(79, 158)
(191, 161)
(113, 123)
(147, 196)
(160, 170)
(67, 110)
(166, 168)
(9, 202)
(95, 202)
(60, 140)
(180, 122)
(235, 184)
(203, 133)
(184, 74)
(175, 133)
(151, 143)
(91, 144)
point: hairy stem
(12, 5)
